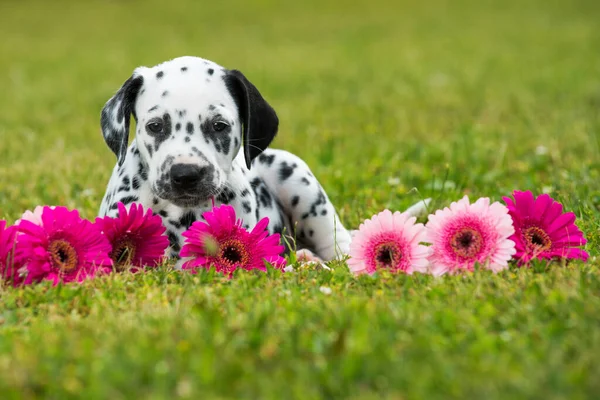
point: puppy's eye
(155, 126)
(218, 126)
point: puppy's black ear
(116, 115)
(259, 120)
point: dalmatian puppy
(202, 137)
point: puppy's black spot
(129, 199)
(226, 196)
(153, 108)
(295, 201)
(135, 183)
(236, 142)
(187, 219)
(181, 113)
(210, 71)
(305, 215)
(177, 127)
(163, 214)
(262, 193)
(285, 171)
(165, 93)
(246, 206)
(244, 193)
(183, 69)
(174, 241)
(305, 181)
(211, 107)
(265, 159)
(320, 200)
(149, 148)
(189, 128)
(126, 180)
(159, 74)
(311, 233)
(187, 139)
(278, 228)
(155, 201)
(176, 224)
(114, 206)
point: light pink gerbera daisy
(8, 264)
(222, 242)
(34, 216)
(64, 247)
(137, 239)
(465, 234)
(389, 242)
(542, 230)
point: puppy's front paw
(305, 256)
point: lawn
(388, 102)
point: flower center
(63, 255)
(537, 239)
(233, 253)
(122, 253)
(387, 255)
(466, 243)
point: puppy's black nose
(187, 176)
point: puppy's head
(192, 117)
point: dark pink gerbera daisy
(222, 242)
(542, 230)
(8, 263)
(137, 239)
(64, 247)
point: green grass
(397, 100)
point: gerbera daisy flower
(222, 242)
(137, 239)
(465, 234)
(389, 241)
(542, 230)
(64, 247)
(34, 216)
(8, 263)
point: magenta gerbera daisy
(8, 263)
(389, 242)
(542, 230)
(222, 242)
(137, 238)
(64, 247)
(465, 234)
